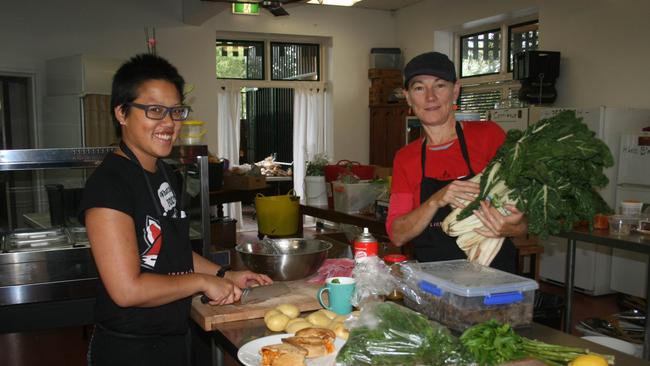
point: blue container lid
(468, 279)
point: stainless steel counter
(633, 242)
(47, 275)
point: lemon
(588, 360)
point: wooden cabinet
(387, 129)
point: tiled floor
(67, 346)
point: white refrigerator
(593, 262)
(629, 269)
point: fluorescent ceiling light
(334, 2)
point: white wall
(33, 31)
(604, 45)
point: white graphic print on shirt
(166, 196)
(153, 239)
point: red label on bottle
(365, 249)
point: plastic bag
(372, 280)
(390, 334)
(340, 267)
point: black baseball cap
(430, 63)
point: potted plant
(315, 188)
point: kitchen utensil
(286, 259)
(208, 317)
(253, 295)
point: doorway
(266, 125)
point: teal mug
(340, 291)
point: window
(480, 53)
(295, 61)
(485, 71)
(523, 37)
(478, 100)
(240, 60)
(267, 70)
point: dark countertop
(634, 241)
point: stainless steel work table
(634, 242)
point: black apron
(113, 348)
(433, 244)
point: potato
(341, 331)
(296, 326)
(289, 310)
(341, 318)
(271, 313)
(277, 323)
(328, 313)
(296, 320)
(333, 324)
(318, 319)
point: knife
(252, 295)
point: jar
(601, 222)
(192, 133)
(391, 260)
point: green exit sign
(246, 9)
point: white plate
(249, 354)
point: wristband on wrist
(222, 271)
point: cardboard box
(384, 73)
(243, 182)
(383, 172)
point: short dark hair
(135, 72)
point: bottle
(365, 245)
(390, 260)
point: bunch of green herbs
(492, 343)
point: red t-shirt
(483, 139)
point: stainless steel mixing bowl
(284, 259)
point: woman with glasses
(139, 235)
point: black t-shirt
(119, 184)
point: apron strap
(129, 153)
(463, 150)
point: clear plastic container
(192, 133)
(385, 58)
(631, 208)
(622, 225)
(460, 294)
(354, 197)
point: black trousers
(119, 349)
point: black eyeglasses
(159, 112)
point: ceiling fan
(274, 7)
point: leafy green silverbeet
(401, 337)
(551, 169)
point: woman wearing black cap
(431, 174)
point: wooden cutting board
(302, 294)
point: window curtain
(309, 132)
(228, 120)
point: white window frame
(267, 82)
(503, 80)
